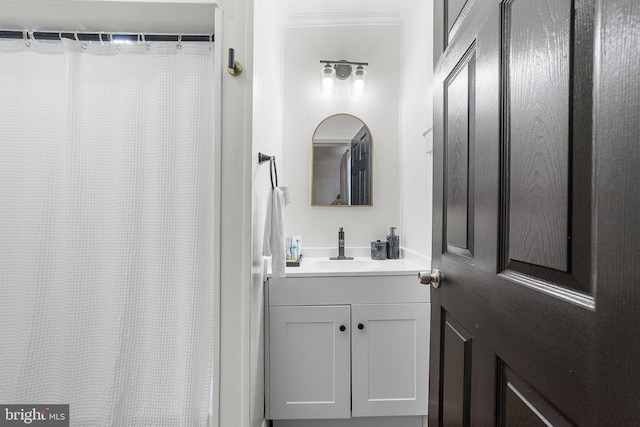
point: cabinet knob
(360, 326)
(342, 328)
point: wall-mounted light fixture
(342, 70)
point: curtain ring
(144, 41)
(179, 46)
(75, 35)
(100, 36)
(60, 35)
(25, 36)
(84, 45)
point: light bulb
(327, 80)
(358, 82)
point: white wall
(304, 108)
(292, 107)
(267, 137)
(236, 342)
(410, 200)
(417, 118)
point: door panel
(460, 118)
(537, 69)
(546, 143)
(454, 7)
(515, 324)
(519, 404)
(456, 372)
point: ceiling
(180, 17)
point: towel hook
(234, 67)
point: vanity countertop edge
(316, 263)
(359, 266)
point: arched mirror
(342, 162)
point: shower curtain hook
(179, 46)
(25, 34)
(100, 36)
(60, 35)
(84, 45)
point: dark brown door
(536, 213)
(361, 168)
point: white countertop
(322, 266)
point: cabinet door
(309, 362)
(390, 359)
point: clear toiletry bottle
(393, 245)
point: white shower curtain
(106, 230)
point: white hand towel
(274, 242)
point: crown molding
(341, 19)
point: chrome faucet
(341, 246)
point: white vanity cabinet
(389, 359)
(342, 347)
(309, 362)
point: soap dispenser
(393, 244)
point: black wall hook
(234, 67)
(263, 158)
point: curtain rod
(105, 37)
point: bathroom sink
(358, 263)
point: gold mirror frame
(342, 162)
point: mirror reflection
(342, 161)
